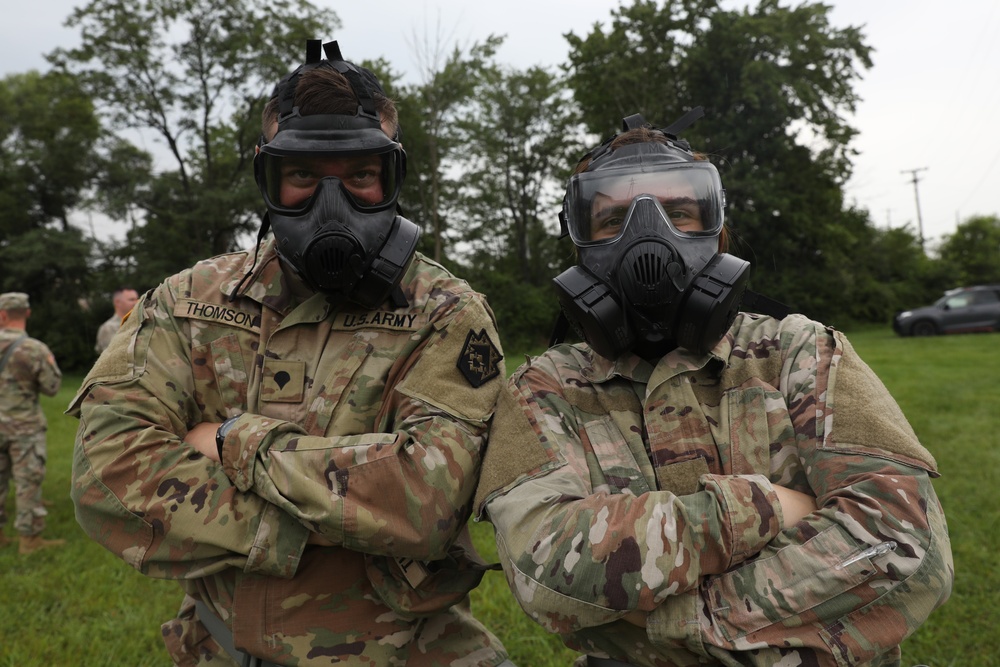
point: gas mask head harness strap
(330, 177)
(646, 217)
(361, 80)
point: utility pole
(916, 195)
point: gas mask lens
(370, 181)
(598, 203)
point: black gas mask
(646, 220)
(345, 238)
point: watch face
(224, 428)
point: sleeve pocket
(785, 583)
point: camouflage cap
(13, 300)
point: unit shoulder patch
(479, 360)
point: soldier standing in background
(294, 431)
(123, 299)
(27, 368)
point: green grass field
(81, 606)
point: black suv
(962, 310)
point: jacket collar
(633, 367)
(269, 284)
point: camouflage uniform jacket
(106, 332)
(31, 369)
(365, 427)
(622, 486)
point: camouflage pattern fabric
(106, 332)
(358, 426)
(22, 458)
(648, 491)
(31, 369)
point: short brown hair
(324, 90)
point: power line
(916, 195)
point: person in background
(27, 369)
(695, 485)
(123, 299)
(294, 432)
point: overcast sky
(930, 105)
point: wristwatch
(220, 434)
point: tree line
(489, 148)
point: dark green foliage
(972, 253)
(48, 137)
(48, 128)
(194, 75)
(518, 145)
(777, 85)
(637, 65)
(52, 267)
(517, 150)
(525, 313)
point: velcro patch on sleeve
(865, 415)
(513, 450)
(117, 362)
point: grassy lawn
(79, 605)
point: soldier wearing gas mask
(646, 219)
(695, 484)
(331, 186)
(294, 432)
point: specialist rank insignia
(479, 360)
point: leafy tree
(124, 179)
(519, 137)
(972, 252)
(48, 130)
(49, 134)
(429, 113)
(776, 83)
(784, 143)
(195, 73)
(637, 65)
(873, 273)
(486, 152)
